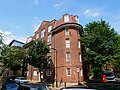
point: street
(104, 86)
(100, 86)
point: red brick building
(63, 38)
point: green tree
(1, 47)
(116, 62)
(37, 54)
(12, 57)
(100, 42)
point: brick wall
(59, 43)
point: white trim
(66, 18)
(81, 72)
(68, 69)
(37, 35)
(35, 73)
(79, 44)
(49, 38)
(67, 43)
(67, 31)
(80, 57)
(49, 28)
(42, 33)
(67, 56)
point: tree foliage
(37, 54)
(1, 47)
(100, 42)
(12, 57)
(116, 62)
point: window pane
(37, 36)
(68, 72)
(68, 56)
(66, 18)
(79, 44)
(80, 57)
(49, 28)
(66, 31)
(49, 38)
(35, 73)
(42, 33)
(81, 73)
(67, 43)
(77, 19)
(50, 47)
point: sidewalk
(53, 87)
(48, 85)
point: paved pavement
(99, 85)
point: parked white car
(110, 77)
(21, 80)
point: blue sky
(20, 18)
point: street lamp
(56, 65)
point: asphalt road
(99, 86)
(104, 86)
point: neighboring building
(8, 72)
(63, 38)
(16, 43)
(19, 44)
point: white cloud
(92, 13)
(7, 33)
(58, 5)
(8, 37)
(7, 41)
(4, 33)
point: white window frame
(49, 28)
(81, 72)
(79, 44)
(77, 19)
(66, 18)
(50, 47)
(67, 31)
(80, 57)
(42, 33)
(68, 72)
(37, 36)
(27, 73)
(35, 73)
(49, 37)
(67, 56)
(67, 43)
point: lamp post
(55, 65)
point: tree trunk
(41, 75)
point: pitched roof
(16, 43)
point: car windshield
(109, 74)
(12, 85)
